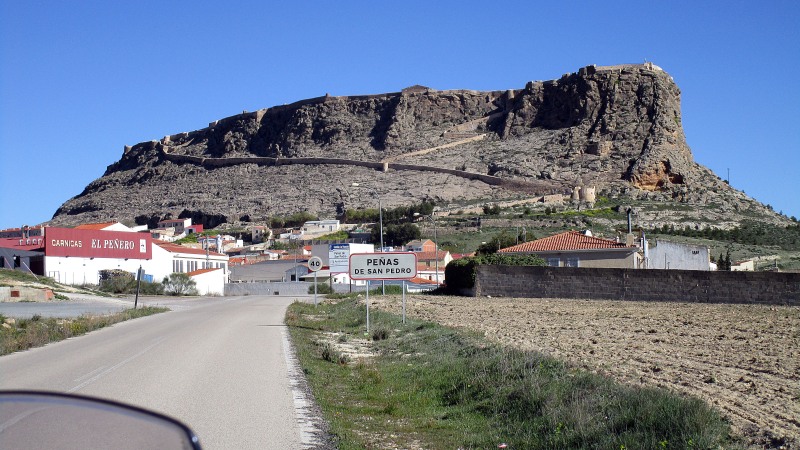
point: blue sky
(81, 79)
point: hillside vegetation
(421, 385)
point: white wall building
(77, 255)
(320, 226)
(743, 266)
(171, 258)
(209, 281)
(677, 256)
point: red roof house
(576, 249)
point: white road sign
(383, 266)
(315, 263)
(338, 257)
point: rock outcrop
(616, 128)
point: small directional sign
(315, 264)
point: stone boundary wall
(282, 288)
(266, 288)
(772, 288)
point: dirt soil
(742, 359)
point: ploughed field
(743, 359)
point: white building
(172, 258)
(320, 226)
(677, 256)
(209, 281)
(743, 266)
(77, 255)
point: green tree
(179, 284)
(724, 262)
(501, 240)
(491, 210)
(398, 215)
(395, 235)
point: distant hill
(614, 130)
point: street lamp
(380, 220)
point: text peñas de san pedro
(383, 266)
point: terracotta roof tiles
(419, 280)
(570, 240)
(431, 256)
(201, 271)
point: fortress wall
(516, 185)
(488, 179)
(334, 161)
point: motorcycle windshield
(49, 420)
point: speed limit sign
(315, 263)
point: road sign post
(404, 302)
(314, 264)
(383, 266)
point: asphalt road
(221, 365)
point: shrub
(179, 284)
(121, 282)
(460, 273)
(322, 288)
(330, 354)
(380, 333)
(389, 289)
(116, 281)
(146, 288)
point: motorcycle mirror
(36, 420)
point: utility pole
(436, 248)
(380, 220)
(380, 217)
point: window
(553, 262)
(572, 262)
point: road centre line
(115, 366)
(90, 373)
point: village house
(319, 227)
(429, 259)
(580, 249)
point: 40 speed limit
(315, 264)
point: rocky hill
(615, 130)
